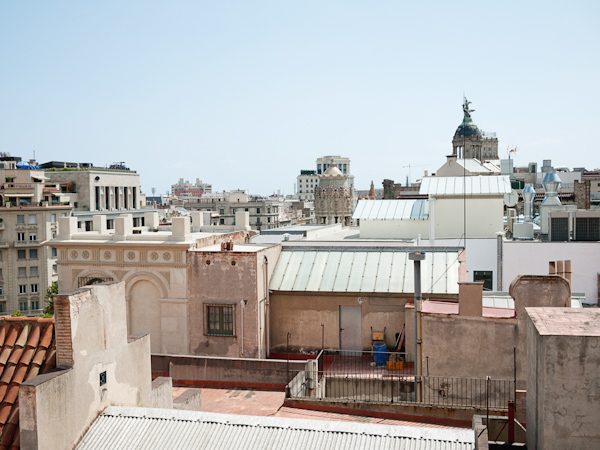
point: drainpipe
(267, 303)
(499, 256)
(243, 303)
(417, 257)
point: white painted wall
(484, 217)
(532, 258)
(481, 255)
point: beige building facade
(100, 190)
(152, 264)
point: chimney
(181, 228)
(67, 226)
(470, 297)
(123, 227)
(99, 223)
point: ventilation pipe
(528, 200)
(551, 184)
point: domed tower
(333, 198)
(470, 142)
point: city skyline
(245, 96)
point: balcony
(27, 243)
(4, 244)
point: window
(22, 272)
(486, 277)
(219, 320)
(221, 221)
(23, 306)
(35, 305)
(52, 218)
(54, 252)
(22, 289)
(34, 290)
(20, 219)
(54, 269)
(20, 237)
(0, 255)
(33, 271)
(221, 211)
(258, 209)
(32, 237)
(33, 253)
(1, 290)
(1, 276)
(32, 219)
(21, 254)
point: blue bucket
(380, 353)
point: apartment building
(265, 212)
(26, 267)
(89, 188)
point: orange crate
(395, 365)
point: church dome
(333, 170)
(467, 129)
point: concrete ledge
(213, 371)
(460, 417)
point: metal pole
(287, 346)
(417, 257)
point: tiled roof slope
(27, 348)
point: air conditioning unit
(511, 218)
(587, 226)
(559, 226)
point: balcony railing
(27, 243)
(389, 378)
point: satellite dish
(511, 199)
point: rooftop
(565, 321)
(364, 270)
(27, 350)
(146, 428)
(391, 210)
(478, 185)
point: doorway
(350, 328)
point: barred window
(219, 320)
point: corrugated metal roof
(122, 428)
(391, 210)
(479, 185)
(474, 165)
(506, 301)
(364, 271)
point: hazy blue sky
(245, 94)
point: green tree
(50, 293)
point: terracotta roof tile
(26, 349)
(7, 373)
(12, 335)
(23, 335)
(5, 354)
(15, 356)
(3, 332)
(27, 355)
(5, 410)
(11, 393)
(20, 373)
(47, 337)
(40, 356)
(34, 336)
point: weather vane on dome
(466, 109)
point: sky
(243, 95)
